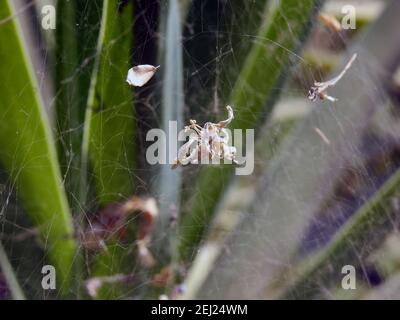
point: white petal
(140, 75)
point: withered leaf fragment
(111, 223)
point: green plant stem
(27, 150)
(11, 279)
(108, 140)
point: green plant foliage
(108, 144)
(27, 150)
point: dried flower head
(140, 75)
(317, 91)
(207, 143)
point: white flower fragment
(138, 76)
(207, 143)
(317, 91)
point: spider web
(214, 49)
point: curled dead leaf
(111, 223)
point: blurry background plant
(77, 192)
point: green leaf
(11, 279)
(69, 106)
(108, 142)
(76, 38)
(241, 32)
(281, 35)
(27, 149)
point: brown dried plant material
(111, 223)
(330, 22)
(138, 76)
(162, 278)
(148, 215)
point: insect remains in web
(318, 90)
(207, 143)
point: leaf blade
(28, 151)
(109, 126)
(11, 278)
